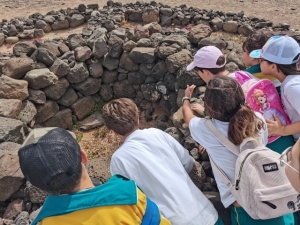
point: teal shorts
(281, 144)
(240, 217)
(219, 222)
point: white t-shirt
(160, 165)
(290, 92)
(223, 157)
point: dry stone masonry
(136, 50)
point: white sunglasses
(285, 159)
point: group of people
(150, 181)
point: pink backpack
(262, 97)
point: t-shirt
(290, 92)
(160, 165)
(223, 157)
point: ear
(84, 158)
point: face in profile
(292, 171)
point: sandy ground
(275, 10)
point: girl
(279, 58)
(224, 102)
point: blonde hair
(121, 115)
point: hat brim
(255, 54)
(191, 66)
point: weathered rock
(10, 108)
(55, 91)
(185, 78)
(177, 118)
(38, 33)
(176, 39)
(231, 67)
(199, 32)
(9, 148)
(13, 89)
(127, 63)
(2, 37)
(96, 69)
(45, 56)
(177, 60)
(159, 70)
(46, 111)
(198, 175)
(122, 89)
(115, 46)
(17, 67)
(165, 11)
(214, 41)
(60, 25)
(100, 47)
(22, 218)
(52, 48)
(153, 28)
(164, 51)
(11, 40)
(76, 20)
(26, 34)
(36, 195)
(82, 107)
(82, 53)
(129, 45)
(106, 92)
(78, 73)
(28, 112)
(141, 32)
(216, 24)
(150, 92)
(92, 122)
(68, 98)
(119, 32)
(98, 168)
(12, 30)
(49, 19)
(11, 176)
(41, 24)
(110, 63)
(245, 30)
(62, 119)
(236, 58)
(24, 48)
(146, 69)
(151, 15)
(36, 96)
(230, 26)
(14, 208)
(89, 86)
(136, 78)
(109, 76)
(76, 40)
(40, 78)
(60, 68)
(142, 55)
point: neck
(224, 73)
(280, 76)
(123, 137)
(85, 181)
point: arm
(276, 127)
(186, 107)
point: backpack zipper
(240, 172)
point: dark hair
(224, 100)
(290, 69)
(221, 60)
(256, 40)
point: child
(257, 40)
(279, 57)
(51, 160)
(159, 165)
(224, 102)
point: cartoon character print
(265, 107)
(294, 205)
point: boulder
(140, 32)
(89, 86)
(55, 91)
(10, 108)
(129, 45)
(78, 73)
(198, 175)
(159, 70)
(36, 195)
(82, 107)
(28, 112)
(99, 168)
(17, 67)
(150, 92)
(176, 61)
(13, 89)
(24, 48)
(40, 78)
(11, 40)
(62, 119)
(245, 30)
(45, 56)
(9, 148)
(100, 47)
(41, 24)
(127, 63)
(176, 39)
(122, 89)
(216, 24)
(51, 47)
(236, 57)
(14, 209)
(36, 96)
(150, 15)
(22, 218)
(91, 122)
(2, 38)
(153, 28)
(231, 67)
(164, 51)
(230, 26)
(11, 130)
(115, 46)
(142, 55)
(60, 68)
(96, 69)
(68, 98)
(198, 32)
(75, 40)
(11, 176)
(46, 111)
(110, 63)
(38, 33)
(185, 78)
(76, 20)
(109, 77)
(60, 25)
(82, 53)
(136, 78)
(214, 41)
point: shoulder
(197, 123)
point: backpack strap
(221, 137)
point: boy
(159, 165)
(52, 160)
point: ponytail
(244, 123)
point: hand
(198, 108)
(201, 149)
(189, 90)
(275, 127)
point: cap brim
(255, 54)
(191, 66)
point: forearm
(187, 112)
(290, 129)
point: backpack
(261, 96)
(261, 186)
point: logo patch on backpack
(270, 167)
